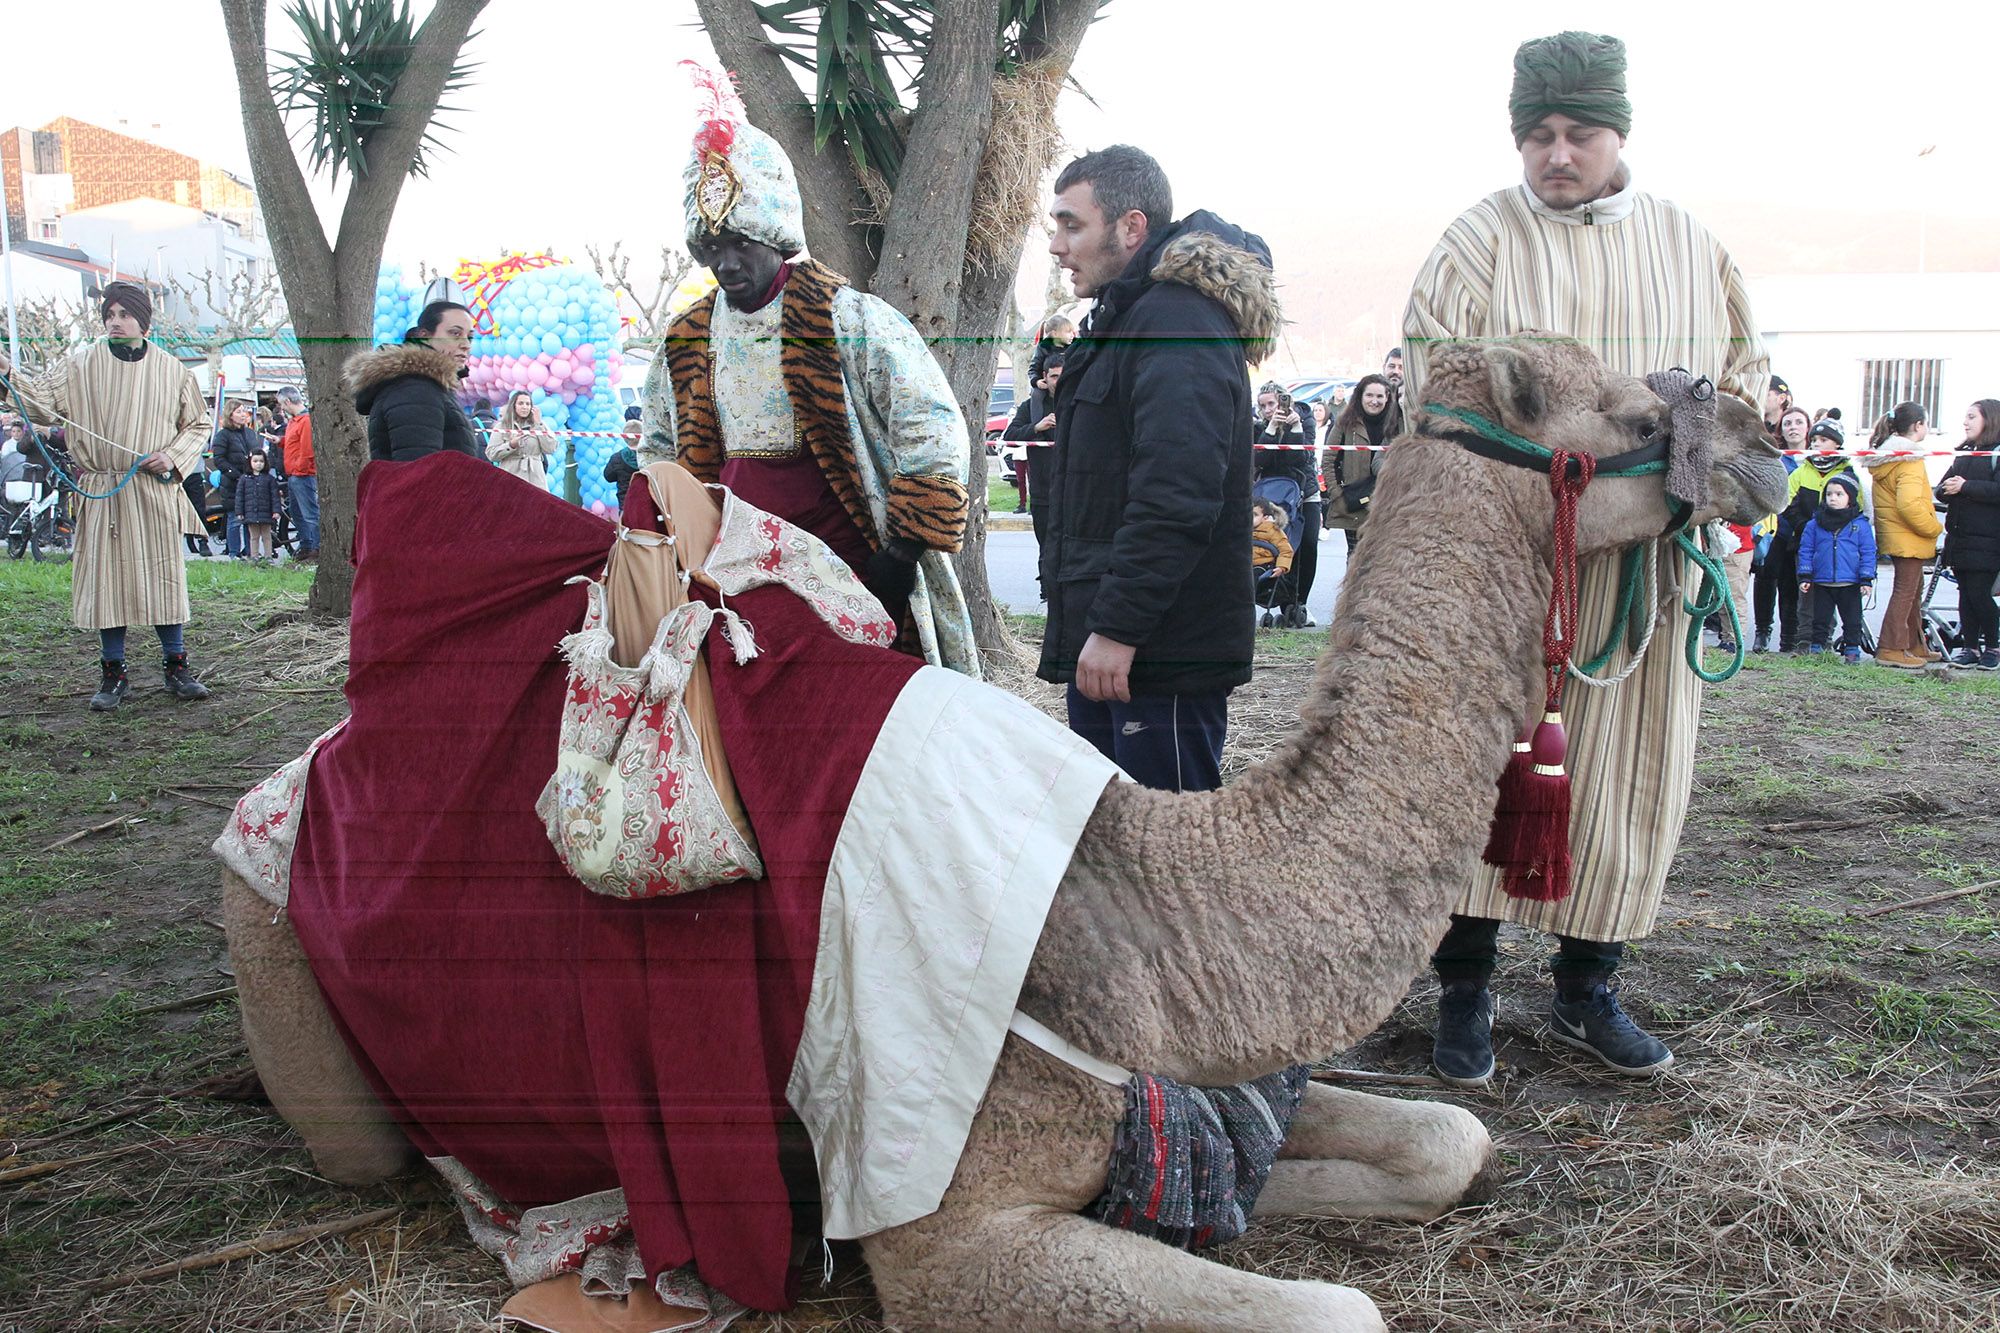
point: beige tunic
(1646, 288)
(129, 566)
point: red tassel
(1538, 867)
(1504, 841)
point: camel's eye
(1649, 431)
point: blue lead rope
(63, 480)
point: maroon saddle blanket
(554, 1041)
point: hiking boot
(181, 681)
(1901, 661)
(1462, 1053)
(1595, 1022)
(113, 688)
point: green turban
(1577, 74)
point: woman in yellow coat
(1906, 531)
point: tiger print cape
(928, 509)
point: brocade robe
(902, 421)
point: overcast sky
(1348, 135)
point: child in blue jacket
(1836, 564)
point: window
(1887, 384)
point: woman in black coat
(409, 391)
(1970, 496)
(231, 448)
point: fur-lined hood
(1231, 266)
(367, 373)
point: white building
(1864, 342)
(169, 241)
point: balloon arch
(540, 324)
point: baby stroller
(1277, 592)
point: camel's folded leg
(1032, 1267)
(1350, 1154)
(300, 1057)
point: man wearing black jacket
(1144, 505)
(1035, 419)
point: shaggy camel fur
(1217, 937)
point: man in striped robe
(1575, 249)
(125, 402)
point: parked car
(999, 408)
(1332, 389)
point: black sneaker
(1762, 643)
(1596, 1023)
(1462, 1053)
(113, 688)
(1989, 660)
(1965, 657)
(181, 681)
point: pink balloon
(561, 368)
(569, 396)
(588, 351)
(538, 377)
(585, 378)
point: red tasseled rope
(1529, 841)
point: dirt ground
(1823, 1154)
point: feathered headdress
(738, 179)
(721, 111)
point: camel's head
(1555, 392)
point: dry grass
(1778, 1183)
(1731, 1200)
(1020, 148)
(287, 649)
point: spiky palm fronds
(354, 54)
(849, 47)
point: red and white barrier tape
(1378, 448)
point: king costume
(1646, 288)
(821, 405)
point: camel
(1219, 937)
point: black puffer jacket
(1144, 512)
(1972, 517)
(231, 449)
(256, 497)
(407, 393)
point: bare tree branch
(49, 327)
(615, 271)
(827, 183)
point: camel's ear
(1517, 385)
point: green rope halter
(1711, 597)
